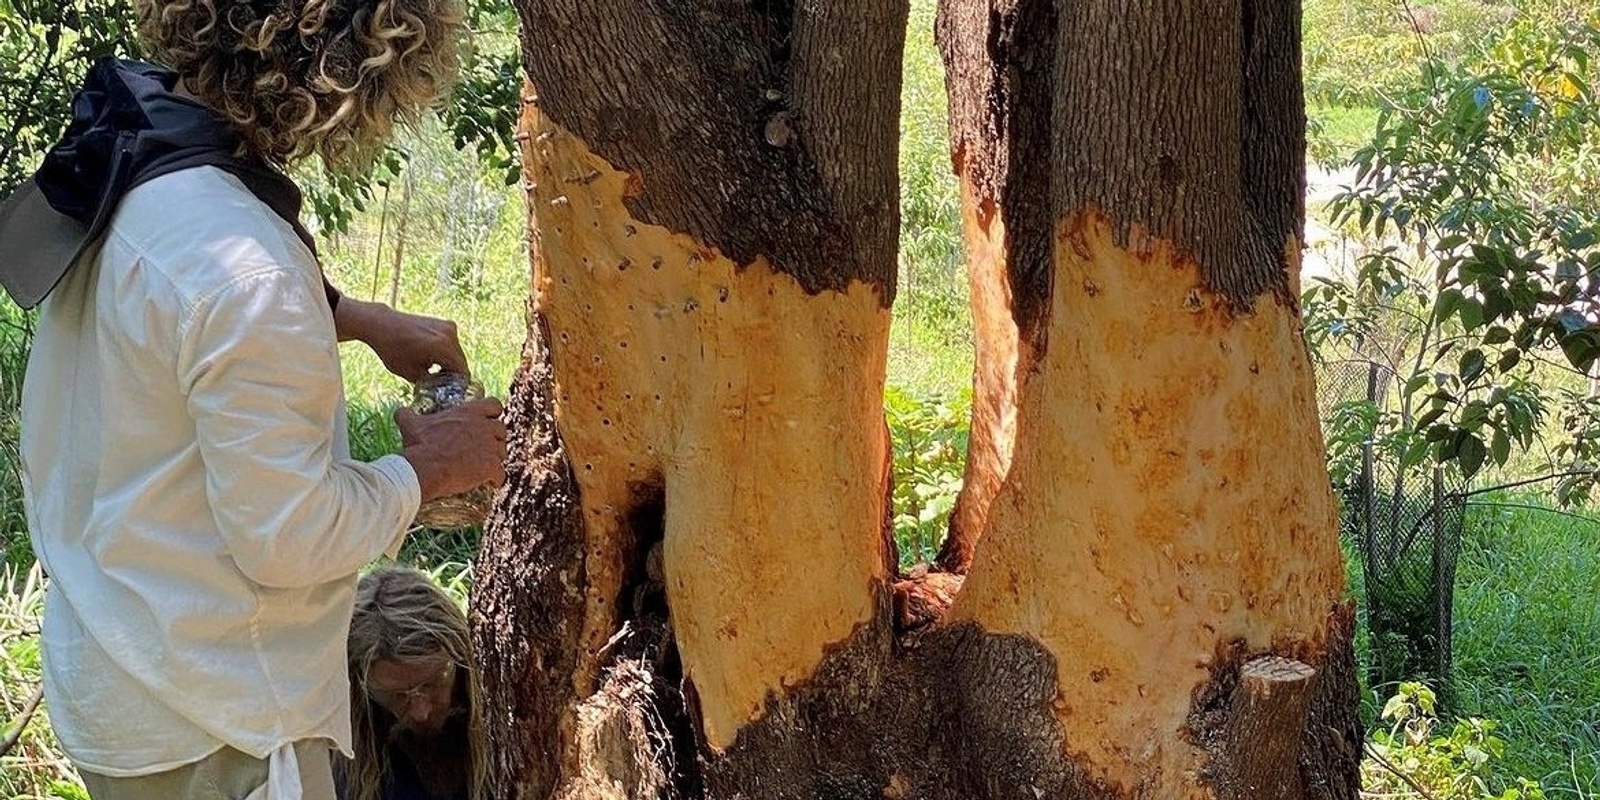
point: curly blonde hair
(297, 77)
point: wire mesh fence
(1406, 525)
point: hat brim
(38, 245)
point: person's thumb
(407, 420)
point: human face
(418, 692)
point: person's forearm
(353, 319)
(409, 345)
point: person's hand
(409, 345)
(456, 449)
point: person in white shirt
(185, 461)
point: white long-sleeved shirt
(189, 488)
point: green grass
(1527, 624)
(1527, 641)
(483, 288)
(35, 767)
(480, 280)
(1335, 132)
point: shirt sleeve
(260, 367)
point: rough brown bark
(736, 118)
(1212, 156)
(527, 606)
(1320, 760)
(706, 605)
(999, 58)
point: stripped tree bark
(689, 588)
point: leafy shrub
(1415, 758)
(46, 45)
(1357, 52)
(930, 453)
(1476, 199)
(15, 335)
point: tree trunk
(400, 239)
(688, 587)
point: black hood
(127, 127)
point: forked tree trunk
(688, 588)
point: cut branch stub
(1266, 726)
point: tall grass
(462, 257)
(34, 768)
(1527, 639)
(15, 332)
(1335, 132)
(930, 341)
(480, 280)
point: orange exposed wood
(752, 407)
(1168, 493)
(994, 384)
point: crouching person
(415, 703)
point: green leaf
(1471, 453)
(1572, 321)
(1581, 349)
(1500, 447)
(1471, 314)
(1496, 334)
(67, 790)
(1497, 303)
(1415, 453)
(1417, 383)
(1427, 419)
(1527, 334)
(1471, 365)
(1398, 708)
(1509, 360)
(1475, 755)
(1448, 303)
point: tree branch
(1525, 482)
(22, 721)
(1532, 507)
(1550, 362)
(1389, 765)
